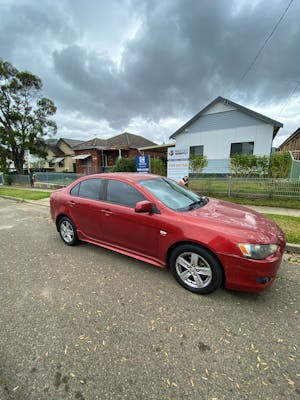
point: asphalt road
(86, 323)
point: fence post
(229, 185)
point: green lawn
(289, 225)
(24, 194)
(285, 202)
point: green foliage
(7, 179)
(124, 165)
(198, 163)
(280, 165)
(249, 165)
(158, 167)
(38, 164)
(24, 115)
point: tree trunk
(18, 160)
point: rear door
(84, 205)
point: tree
(24, 115)
(197, 163)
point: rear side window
(89, 189)
(123, 194)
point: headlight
(257, 251)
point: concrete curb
(292, 248)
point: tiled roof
(128, 139)
(123, 140)
(72, 142)
(90, 144)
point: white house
(224, 128)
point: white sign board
(178, 162)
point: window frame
(241, 153)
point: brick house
(97, 155)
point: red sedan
(205, 242)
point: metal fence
(57, 178)
(228, 186)
(248, 187)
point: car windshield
(173, 195)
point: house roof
(124, 140)
(291, 137)
(55, 150)
(70, 142)
(95, 143)
(277, 125)
(128, 139)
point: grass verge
(285, 203)
(24, 194)
(289, 225)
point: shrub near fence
(247, 187)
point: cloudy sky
(147, 66)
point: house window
(86, 161)
(196, 151)
(241, 148)
(61, 164)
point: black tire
(196, 269)
(67, 231)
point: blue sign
(142, 164)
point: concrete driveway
(86, 323)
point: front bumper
(250, 275)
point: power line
(262, 47)
(289, 97)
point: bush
(280, 165)
(124, 165)
(7, 180)
(249, 165)
(158, 167)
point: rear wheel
(67, 231)
(196, 269)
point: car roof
(129, 176)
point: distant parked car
(205, 242)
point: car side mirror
(143, 207)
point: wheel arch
(59, 217)
(187, 242)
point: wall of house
(93, 165)
(293, 144)
(216, 132)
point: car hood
(238, 219)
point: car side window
(89, 189)
(123, 194)
(75, 190)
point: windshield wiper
(202, 202)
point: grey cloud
(183, 55)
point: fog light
(263, 280)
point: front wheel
(196, 269)
(67, 231)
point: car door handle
(106, 212)
(71, 203)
